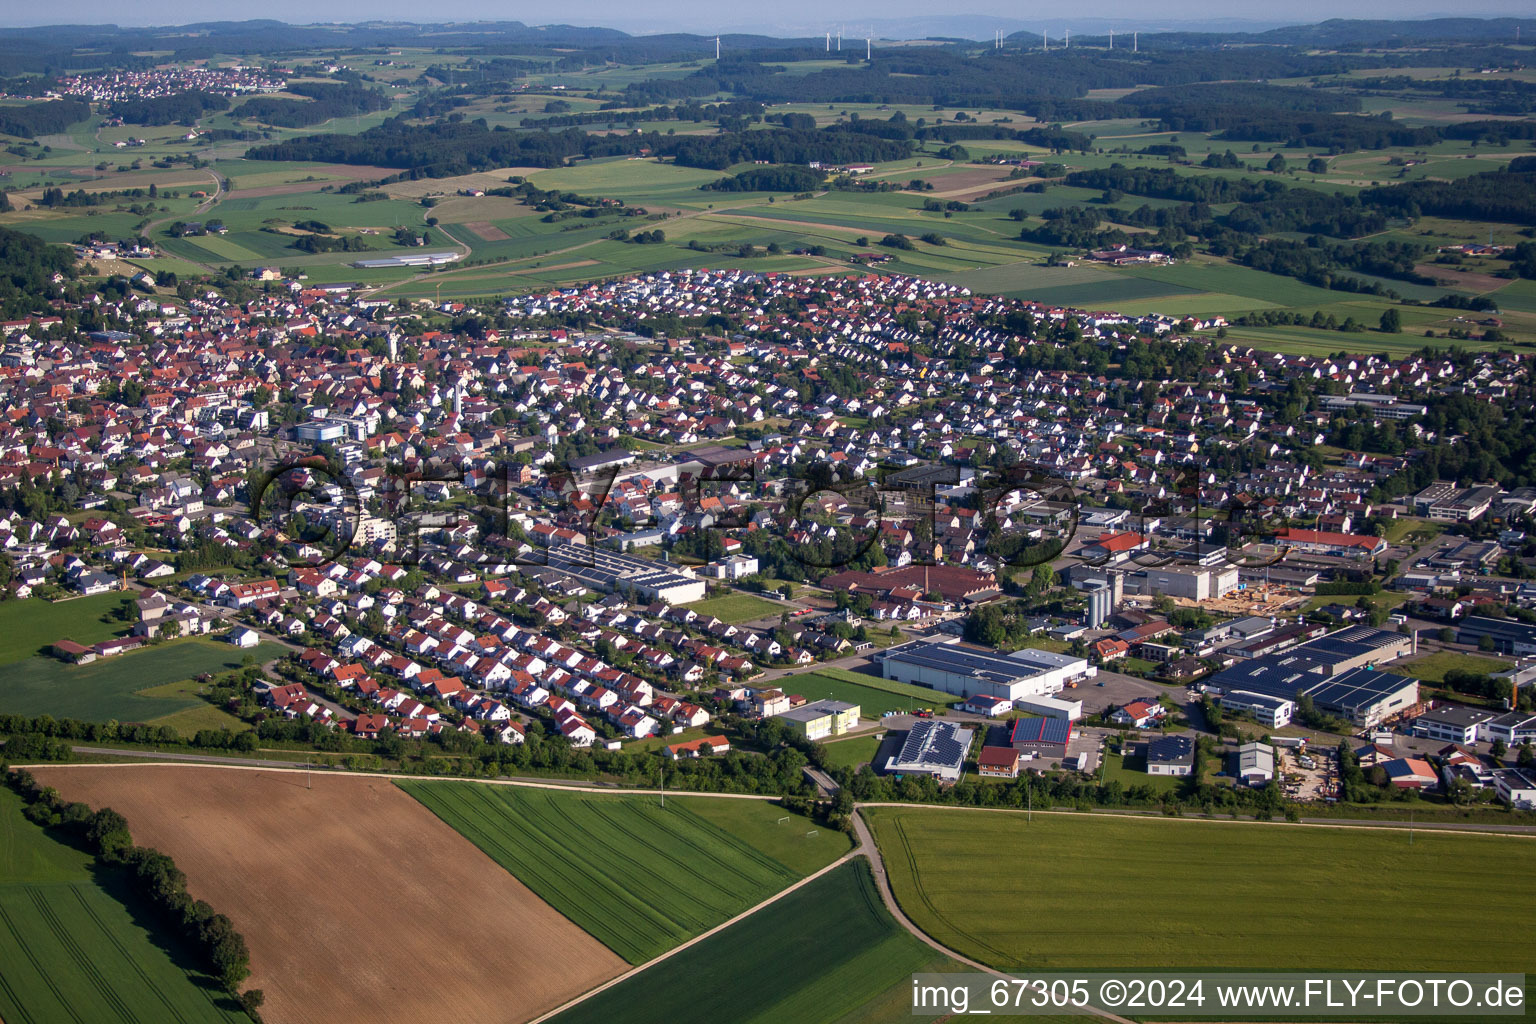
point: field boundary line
(1429, 828)
(845, 858)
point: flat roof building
(822, 718)
(615, 572)
(967, 671)
(932, 748)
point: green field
(853, 752)
(734, 608)
(70, 951)
(1431, 668)
(639, 877)
(1011, 893)
(872, 701)
(108, 689)
(29, 627)
(815, 957)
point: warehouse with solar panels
(932, 748)
(1339, 672)
(969, 672)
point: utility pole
(663, 774)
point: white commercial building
(966, 671)
(1051, 707)
(1189, 584)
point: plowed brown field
(357, 903)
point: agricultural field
(1362, 885)
(737, 607)
(639, 877)
(71, 950)
(111, 688)
(831, 945)
(259, 846)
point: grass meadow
(109, 689)
(637, 876)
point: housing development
(555, 525)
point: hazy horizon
(791, 18)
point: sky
(783, 17)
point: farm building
(932, 748)
(70, 651)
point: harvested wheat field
(357, 902)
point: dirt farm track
(357, 903)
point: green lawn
(70, 951)
(1431, 668)
(109, 689)
(30, 627)
(1386, 600)
(188, 721)
(639, 877)
(854, 752)
(1226, 895)
(872, 701)
(1135, 774)
(735, 608)
(817, 956)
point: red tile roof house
(699, 747)
(1139, 714)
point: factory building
(615, 572)
(967, 671)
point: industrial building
(932, 748)
(820, 719)
(1509, 636)
(615, 572)
(1363, 696)
(1454, 723)
(1254, 763)
(1188, 584)
(1051, 707)
(1272, 712)
(1043, 737)
(966, 671)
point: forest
(324, 101)
(182, 108)
(26, 268)
(33, 119)
(441, 150)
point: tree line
(105, 834)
